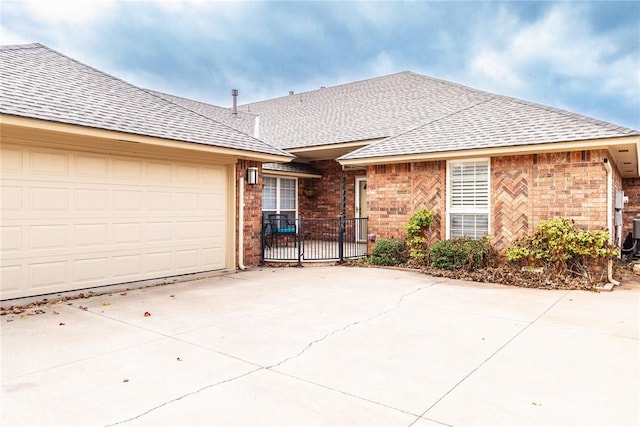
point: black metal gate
(312, 239)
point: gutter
(241, 265)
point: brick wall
(327, 202)
(252, 214)
(529, 188)
(397, 191)
(525, 189)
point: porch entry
(286, 238)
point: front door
(362, 209)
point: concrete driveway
(326, 346)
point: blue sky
(579, 56)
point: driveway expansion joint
(516, 335)
(270, 368)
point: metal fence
(313, 239)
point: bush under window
(461, 254)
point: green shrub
(388, 252)
(417, 228)
(560, 247)
(461, 254)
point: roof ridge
(437, 119)
(20, 46)
(150, 92)
(406, 72)
(329, 87)
(197, 101)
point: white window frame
(467, 210)
(278, 208)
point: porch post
(341, 221)
(299, 239)
(263, 241)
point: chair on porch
(280, 225)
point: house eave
(604, 143)
(289, 174)
(44, 126)
(330, 151)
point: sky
(578, 56)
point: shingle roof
(368, 109)
(418, 114)
(40, 83)
(244, 122)
(497, 122)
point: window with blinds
(279, 195)
(468, 201)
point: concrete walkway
(326, 346)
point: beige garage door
(73, 219)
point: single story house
(486, 164)
(104, 182)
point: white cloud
(381, 64)
(7, 37)
(69, 11)
(492, 65)
(561, 43)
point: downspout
(241, 227)
(607, 167)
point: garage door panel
(91, 235)
(187, 201)
(127, 170)
(12, 198)
(186, 260)
(80, 219)
(49, 236)
(50, 163)
(91, 199)
(92, 166)
(10, 278)
(128, 266)
(10, 238)
(210, 177)
(127, 232)
(160, 200)
(187, 230)
(160, 262)
(160, 173)
(160, 231)
(11, 160)
(186, 174)
(49, 198)
(211, 256)
(91, 271)
(127, 200)
(48, 274)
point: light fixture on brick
(252, 176)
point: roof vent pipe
(234, 95)
(290, 92)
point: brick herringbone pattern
(511, 206)
(428, 192)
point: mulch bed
(514, 276)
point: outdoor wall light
(252, 176)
